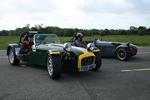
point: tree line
(141, 30)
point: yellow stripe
(84, 55)
(96, 50)
(55, 53)
(129, 70)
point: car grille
(87, 61)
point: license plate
(88, 67)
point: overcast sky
(87, 14)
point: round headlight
(67, 45)
(89, 45)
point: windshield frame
(36, 35)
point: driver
(79, 41)
(27, 44)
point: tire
(122, 54)
(54, 66)
(12, 58)
(98, 62)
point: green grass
(137, 40)
(5, 40)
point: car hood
(60, 47)
(113, 43)
(50, 46)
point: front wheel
(12, 58)
(98, 61)
(54, 66)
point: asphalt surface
(28, 82)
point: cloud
(115, 6)
(75, 13)
(107, 6)
(141, 6)
(116, 13)
(26, 6)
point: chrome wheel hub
(121, 55)
(11, 57)
(50, 66)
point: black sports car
(122, 51)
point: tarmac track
(116, 80)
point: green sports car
(46, 50)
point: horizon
(76, 28)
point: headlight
(67, 45)
(89, 45)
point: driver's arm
(77, 43)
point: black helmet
(79, 35)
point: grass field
(137, 40)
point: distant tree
(133, 28)
(141, 30)
(123, 32)
(4, 33)
(92, 32)
(107, 32)
(70, 31)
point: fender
(122, 46)
(95, 50)
(126, 46)
(14, 47)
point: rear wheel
(54, 66)
(122, 54)
(98, 61)
(12, 58)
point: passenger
(79, 41)
(29, 42)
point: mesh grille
(87, 61)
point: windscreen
(46, 38)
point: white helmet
(79, 34)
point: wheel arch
(54, 52)
(9, 48)
(16, 60)
(14, 48)
(121, 46)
